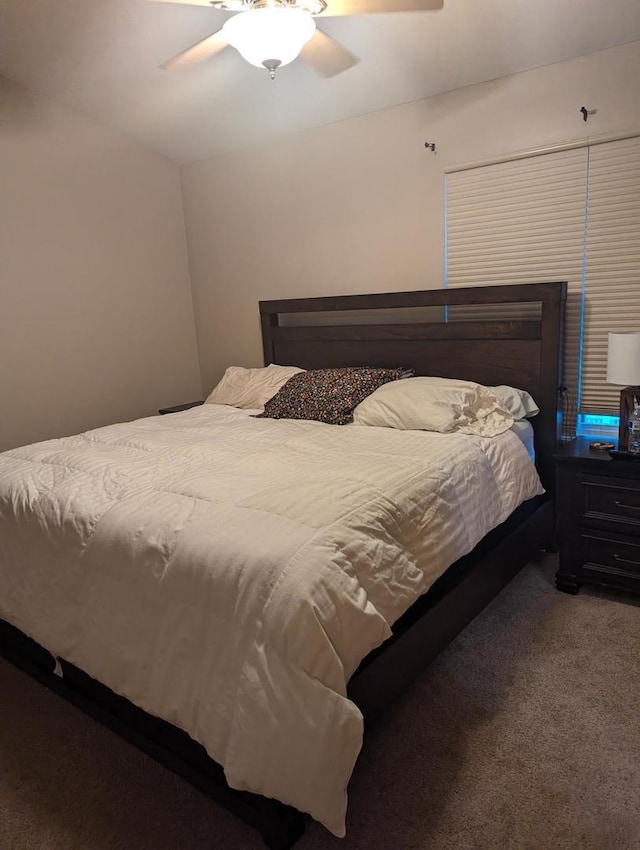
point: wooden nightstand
(178, 407)
(597, 518)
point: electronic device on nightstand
(623, 367)
(597, 518)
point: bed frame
(525, 353)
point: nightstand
(178, 407)
(597, 518)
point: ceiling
(101, 58)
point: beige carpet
(525, 733)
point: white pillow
(434, 404)
(516, 402)
(250, 388)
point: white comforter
(228, 573)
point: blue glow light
(583, 281)
(590, 423)
(594, 419)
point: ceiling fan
(272, 33)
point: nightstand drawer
(611, 554)
(611, 500)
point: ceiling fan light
(269, 36)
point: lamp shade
(273, 35)
(623, 360)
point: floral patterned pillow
(327, 395)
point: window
(612, 265)
(571, 215)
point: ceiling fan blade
(184, 2)
(371, 7)
(224, 5)
(198, 52)
(326, 56)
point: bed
(525, 353)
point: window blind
(522, 221)
(612, 265)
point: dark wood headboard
(524, 353)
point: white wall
(358, 206)
(96, 319)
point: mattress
(228, 574)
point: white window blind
(612, 268)
(522, 221)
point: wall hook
(430, 146)
(586, 112)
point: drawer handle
(626, 560)
(627, 507)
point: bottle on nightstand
(634, 428)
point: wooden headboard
(524, 353)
